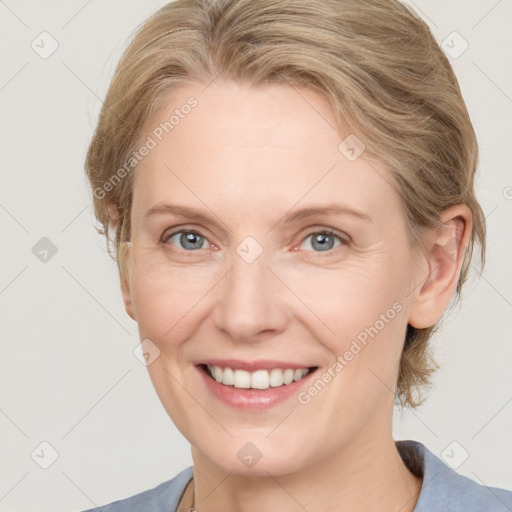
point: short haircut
(376, 62)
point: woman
(288, 189)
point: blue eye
(322, 241)
(189, 240)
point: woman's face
(263, 281)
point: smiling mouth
(259, 379)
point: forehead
(247, 148)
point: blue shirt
(443, 489)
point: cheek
(168, 313)
(368, 317)
(353, 297)
(360, 316)
(167, 306)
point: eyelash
(343, 239)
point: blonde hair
(376, 62)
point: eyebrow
(175, 209)
(293, 216)
(332, 209)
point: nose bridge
(249, 303)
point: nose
(251, 305)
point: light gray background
(68, 373)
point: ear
(115, 217)
(445, 254)
(113, 214)
(127, 298)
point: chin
(253, 458)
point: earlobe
(445, 256)
(115, 217)
(127, 299)
(113, 214)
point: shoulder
(162, 498)
(445, 490)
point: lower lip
(255, 399)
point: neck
(367, 475)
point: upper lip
(251, 366)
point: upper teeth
(260, 379)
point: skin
(248, 156)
